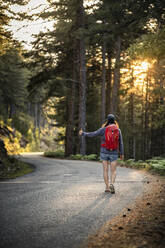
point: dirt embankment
(140, 225)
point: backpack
(111, 137)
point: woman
(108, 156)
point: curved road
(61, 202)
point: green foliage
(149, 46)
(76, 157)
(55, 154)
(156, 164)
(130, 162)
(85, 157)
(25, 141)
(60, 154)
(22, 123)
(90, 157)
(55, 68)
(13, 168)
(13, 80)
(33, 140)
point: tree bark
(69, 145)
(82, 77)
(103, 95)
(132, 140)
(116, 82)
(12, 110)
(109, 82)
(146, 121)
(29, 108)
(39, 117)
(35, 115)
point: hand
(122, 157)
(80, 132)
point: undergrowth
(14, 168)
(156, 164)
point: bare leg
(105, 173)
(113, 171)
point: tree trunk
(71, 110)
(132, 141)
(82, 77)
(39, 117)
(35, 115)
(109, 82)
(116, 82)
(29, 108)
(103, 95)
(146, 122)
(12, 110)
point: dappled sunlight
(138, 73)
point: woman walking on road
(111, 148)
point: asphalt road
(61, 203)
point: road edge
(127, 228)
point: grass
(15, 168)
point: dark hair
(111, 120)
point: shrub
(147, 167)
(90, 157)
(157, 158)
(142, 164)
(130, 161)
(156, 164)
(76, 157)
(55, 154)
(121, 162)
(152, 161)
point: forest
(99, 57)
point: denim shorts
(108, 157)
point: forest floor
(140, 225)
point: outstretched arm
(98, 132)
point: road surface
(61, 202)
